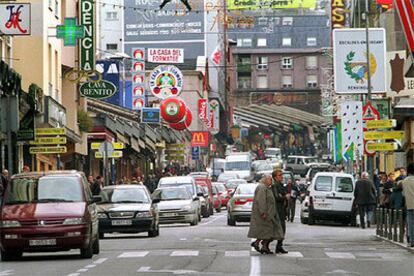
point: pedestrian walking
(265, 224)
(281, 198)
(365, 199)
(385, 198)
(96, 185)
(292, 189)
(408, 193)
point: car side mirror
(96, 199)
(156, 200)
(196, 198)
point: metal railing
(390, 224)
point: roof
(125, 186)
(40, 174)
(334, 174)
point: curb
(411, 249)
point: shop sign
(382, 146)
(381, 124)
(214, 114)
(114, 154)
(15, 19)
(55, 114)
(97, 90)
(50, 131)
(350, 61)
(87, 45)
(26, 129)
(47, 150)
(138, 78)
(199, 138)
(340, 11)
(263, 4)
(48, 141)
(163, 55)
(383, 135)
(166, 81)
(115, 145)
(150, 115)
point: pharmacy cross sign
(70, 32)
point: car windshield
(323, 183)
(265, 167)
(115, 195)
(246, 189)
(220, 188)
(311, 160)
(273, 152)
(173, 194)
(238, 166)
(233, 184)
(44, 190)
(188, 186)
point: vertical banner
(405, 10)
(214, 113)
(138, 78)
(352, 130)
(87, 45)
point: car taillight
(242, 201)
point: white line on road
(134, 254)
(213, 220)
(254, 266)
(90, 266)
(144, 269)
(100, 260)
(293, 254)
(184, 253)
(82, 270)
(6, 272)
(340, 255)
(74, 274)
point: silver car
(239, 207)
(177, 205)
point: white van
(331, 197)
(240, 163)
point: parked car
(127, 209)
(239, 207)
(222, 191)
(223, 177)
(232, 184)
(48, 211)
(216, 200)
(203, 196)
(301, 164)
(177, 205)
(331, 197)
(187, 182)
(205, 181)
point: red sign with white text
(199, 138)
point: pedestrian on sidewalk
(365, 198)
(281, 199)
(96, 185)
(265, 224)
(408, 193)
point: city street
(213, 248)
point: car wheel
(95, 246)
(194, 222)
(8, 255)
(311, 219)
(206, 213)
(87, 253)
(218, 210)
(231, 221)
(101, 235)
(303, 220)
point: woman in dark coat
(265, 224)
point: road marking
(213, 220)
(184, 253)
(82, 270)
(74, 274)
(293, 254)
(183, 239)
(6, 272)
(254, 266)
(90, 266)
(243, 253)
(134, 254)
(100, 260)
(340, 271)
(144, 269)
(340, 255)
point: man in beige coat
(408, 193)
(265, 224)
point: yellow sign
(381, 123)
(115, 154)
(382, 135)
(175, 146)
(47, 150)
(50, 131)
(116, 145)
(274, 4)
(48, 141)
(382, 146)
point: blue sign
(150, 115)
(195, 153)
(110, 70)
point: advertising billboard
(274, 4)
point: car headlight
(102, 215)
(187, 208)
(143, 215)
(9, 223)
(74, 221)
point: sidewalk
(403, 245)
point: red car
(217, 198)
(222, 192)
(203, 179)
(48, 211)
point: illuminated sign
(199, 138)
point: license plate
(170, 214)
(42, 242)
(122, 222)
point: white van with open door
(331, 197)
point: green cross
(70, 32)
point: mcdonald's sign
(200, 139)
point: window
(344, 185)
(311, 41)
(276, 20)
(312, 81)
(261, 63)
(287, 21)
(311, 62)
(261, 42)
(112, 47)
(323, 183)
(287, 41)
(50, 4)
(291, 160)
(287, 63)
(287, 82)
(261, 82)
(244, 42)
(244, 82)
(113, 15)
(262, 21)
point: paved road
(213, 248)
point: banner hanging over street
(350, 61)
(274, 4)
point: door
(343, 194)
(322, 193)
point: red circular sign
(173, 110)
(186, 122)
